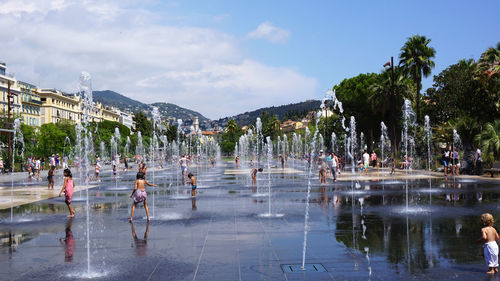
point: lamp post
(326, 116)
(390, 66)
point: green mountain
(168, 111)
(178, 112)
(119, 101)
(292, 111)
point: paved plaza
(359, 228)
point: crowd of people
(332, 164)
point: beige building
(57, 106)
(41, 106)
(5, 80)
(111, 114)
(31, 103)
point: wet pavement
(359, 229)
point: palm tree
(489, 139)
(489, 62)
(388, 102)
(416, 59)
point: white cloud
(268, 31)
(18, 7)
(127, 51)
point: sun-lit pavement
(359, 228)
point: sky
(222, 58)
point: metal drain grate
(297, 268)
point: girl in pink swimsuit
(68, 188)
(139, 194)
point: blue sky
(226, 57)
(333, 40)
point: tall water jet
(259, 140)
(428, 135)
(408, 123)
(352, 143)
(457, 142)
(114, 148)
(139, 149)
(103, 150)
(118, 140)
(86, 92)
(361, 143)
(154, 148)
(384, 140)
(334, 142)
(269, 157)
(127, 146)
(306, 217)
(17, 138)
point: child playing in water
(68, 188)
(254, 175)
(97, 170)
(322, 174)
(193, 184)
(140, 194)
(490, 237)
(50, 177)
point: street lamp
(390, 66)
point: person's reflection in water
(193, 204)
(479, 196)
(336, 200)
(141, 245)
(323, 197)
(69, 242)
(51, 208)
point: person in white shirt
(366, 161)
(53, 161)
(183, 162)
(37, 168)
(478, 162)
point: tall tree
(142, 124)
(489, 139)
(355, 93)
(231, 136)
(416, 59)
(490, 59)
(389, 92)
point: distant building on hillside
(126, 120)
(196, 124)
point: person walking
(478, 162)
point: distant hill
(119, 101)
(178, 112)
(289, 111)
(168, 110)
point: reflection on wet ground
(359, 230)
